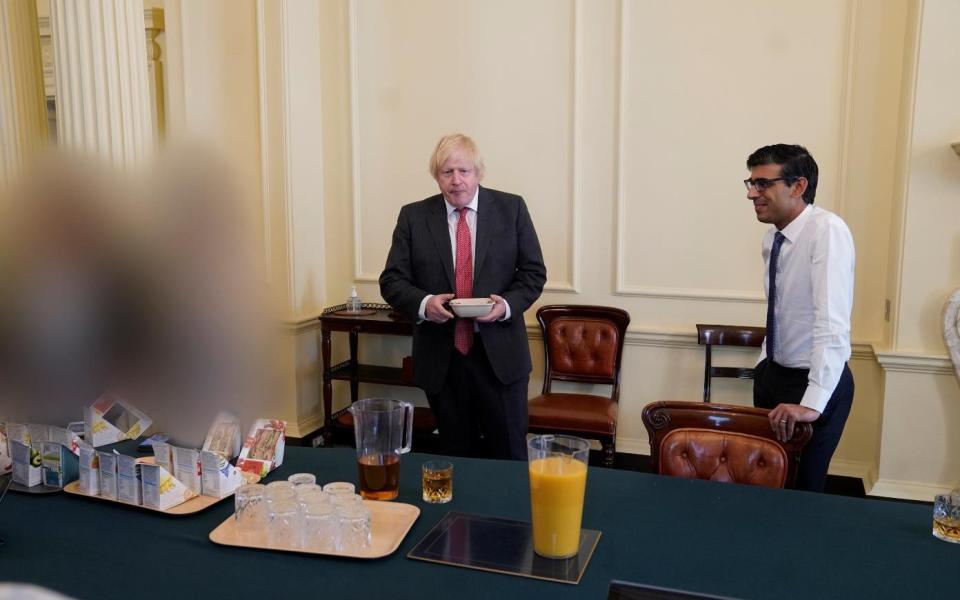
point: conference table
(706, 537)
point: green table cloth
(707, 537)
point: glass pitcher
(558, 481)
(383, 430)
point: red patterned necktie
(463, 332)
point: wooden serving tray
(389, 524)
(191, 506)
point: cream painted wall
(931, 257)
(213, 85)
(626, 126)
(506, 75)
(921, 408)
(687, 125)
(624, 156)
(215, 96)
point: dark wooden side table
(377, 319)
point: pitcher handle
(408, 428)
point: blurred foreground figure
(148, 290)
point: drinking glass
(304, 491)
(355, 535)
(298, 479)
(437, 481)
(250, 509)
(280, 485)
(279, 494)
(345, 499)
(283, 528)
(558, 480)
(946, 517)
(339, 487)
(321, 527)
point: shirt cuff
(816, 398)
(422, 314)
(508, 314)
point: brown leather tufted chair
(582, 344)
(726, 335)
(721, 442)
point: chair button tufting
(723, 459)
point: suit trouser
(477, 414)
(774, 384)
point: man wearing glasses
(808, 255)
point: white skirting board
(906, 490)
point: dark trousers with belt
(774, 384)
(477, 414)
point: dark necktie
(463, 273)
(772, 295)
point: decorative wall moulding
(690, 294)
(572, 284)
(562, 287)
(622, 287)
(912, 362)
(655, 338)
(906, 490)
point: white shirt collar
(793, 229)
(472, 206)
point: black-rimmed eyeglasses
(762, 183)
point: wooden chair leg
(609, 453)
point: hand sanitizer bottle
(353, 302)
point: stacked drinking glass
(299, 514)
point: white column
(23, 113)
(103, 95)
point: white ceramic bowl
(471, 308)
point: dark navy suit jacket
(507, 262)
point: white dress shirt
(814, 299)
(453, 219)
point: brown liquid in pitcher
(379, 476)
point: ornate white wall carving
(103, 91)
(951, 329)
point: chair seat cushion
(575, 412)
(723, 456)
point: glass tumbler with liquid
(437, 481)
(558, 481)
(946, 516)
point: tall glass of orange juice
(558, 479)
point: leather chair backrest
(582, 346)
(723, 456)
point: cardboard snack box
(262, 450)
(110, 420)
(161, 490)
